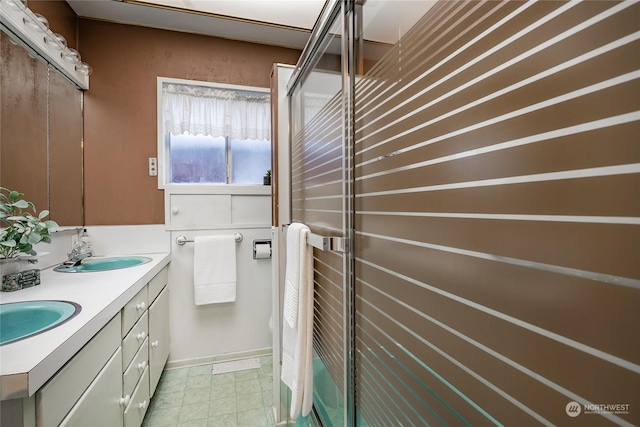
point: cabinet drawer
(101, 402)
(133, 310)
(134, 414)
(134, 339)
(133, 373)
(157, 283)
(57, 397)
(194, 211)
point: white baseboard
(175, 364)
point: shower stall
(480, 161)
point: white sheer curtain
(217, 112)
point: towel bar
(181, 240)
(326, 243)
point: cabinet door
(100, 404)
(57, 397)
(197, 211)
(158, 337)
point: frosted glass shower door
(496, 213)
(318, 200)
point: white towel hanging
(297, 371)
(296, 252)
(214, 269)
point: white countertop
(27, 364)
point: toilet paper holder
(259, 246)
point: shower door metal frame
(348, 159)
(344, 10)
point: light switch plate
(153, 166)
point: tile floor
(193, 397)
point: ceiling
(285, 23)
(291, 13)
(275, 22)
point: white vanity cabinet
(93, 370)
(145, 346)
(110, 381)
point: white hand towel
(297, 371)
(214, 269)
(296, 245)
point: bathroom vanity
(103, 365)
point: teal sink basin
(20, 320)
(103, 264)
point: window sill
(232, 189)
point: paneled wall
(497, 217)
(120, 107)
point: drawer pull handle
(124, 401)
(175, 210)
(141, 306)
(142, 405)
(142, 365)
(155, 343)
(141, 336)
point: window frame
(163, 146)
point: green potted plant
(266, 180)
(22, 228)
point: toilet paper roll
(262, 251)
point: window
(212, 134)
(205, 159)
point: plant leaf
(22, 204)
(14, 195)
(43, 214)
(34, 238)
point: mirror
(40, 133)
(65, 151)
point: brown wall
(62, 19)
(120, 106)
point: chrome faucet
(79, 252)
